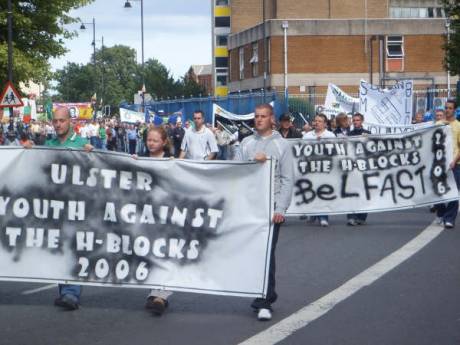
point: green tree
(114, 78)
(117, 74)
(38, 35)
(452, 48)
(159, 81)
(75, 83)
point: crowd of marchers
(200, 141)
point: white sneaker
(324, 222)
(264, 314)
(449, 225)
(352, 222)
(438, 220)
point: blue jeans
(66, 289)
(448, 212)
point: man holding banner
(69, 295)
(259, 146)
(358, 119)
(448, 212)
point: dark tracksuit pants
(271, 294)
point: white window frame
(394, 42)
(241, 62)
(255, 59)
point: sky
(176, 32)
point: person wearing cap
(286, 129)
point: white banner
(373, 173)
(338, 101)
(375, 128)
(131, 116)
(387, 106)
(218, 110)
(108, 219)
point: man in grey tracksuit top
(263, 144)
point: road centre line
(43, 288)
(300, 319)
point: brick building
(338, 41)
(202, 75)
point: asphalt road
(418, 302)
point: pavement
(416, 302)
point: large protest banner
(78, 111)
(373, 173)
(131, 116)
(338, 101)
(232, 123)
(387, 106)
(109, 219)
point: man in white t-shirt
(199, 143)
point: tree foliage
(38, 35)
(452, 47)
(117, 76)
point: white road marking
(43, 288)
(286, 327)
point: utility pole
(10, 46)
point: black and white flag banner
(373, 173)
(111, 220)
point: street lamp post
(128, 5)
(10, 46)
(83, 27)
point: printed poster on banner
(387, 106)
(373, 173)
(78, 111)
(106, 219)
(338, 101)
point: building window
(417, 12)
(255, 59)
(221, 2)
(395, 47)
(222, 22)
(395, 54)
(221, 40)
(241, 59)
(221, 62)
(221, 80)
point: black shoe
(156, 304)
(68, 302)
(258, 303)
